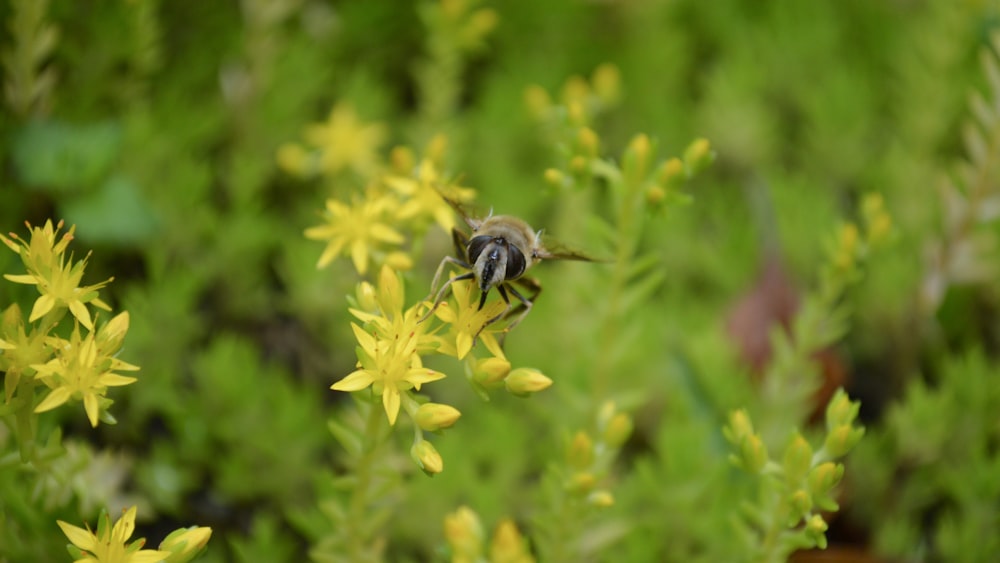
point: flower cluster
(110, 543)
(80, 367)
(370, 226)
(464, 534)
(795, 490)
(392, 340)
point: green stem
(357, 538)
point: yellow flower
(467, 322)
(344, 141)
(19, 349)
(386, 316)
(422, 196)
(389, 366)
(389, 356)
(84, 368)
(108, 544)
(355, 229)
(57, 280)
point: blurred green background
(154, 127)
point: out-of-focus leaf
(116, 213)
(62, 158)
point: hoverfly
(497, 254)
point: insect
(499, 251)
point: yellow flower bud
(588, 142)
(464, 533)
(436, 416)
(427, 457)
(798, 458)
(842, 439)
(671, 172)
(436, 149)
(739, 426)
(576, 112)
(293, 158)
(365, 295)
(824, 477)
(655, 194)
(581, 451)
(537, 100)
(816, 528)
(607, 83)
(698, 155)
(637, 158)
(491, 370)
(601, 498)
(754, 453)
(185, 544)
(508, 544)
(801, 501)
(847, 247)
(575, 91)
(402, 161)
(483, 21)
(524, 381)
(581, 482)
(619, 429)
(579, 165)
(555, 177)
(841, 410)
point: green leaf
(117, 213)
(57, 157)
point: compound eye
(476, 247)
(515, 262)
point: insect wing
(554, 250)
(468, 215)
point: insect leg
(522, 310)
(444, 289)
(503, 293)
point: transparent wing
(552, 249)
(465, 211)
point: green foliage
(699, 150)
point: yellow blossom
(108, 544)
(466, 322)
(421, 194)
(389, 355)
(57, 280)
(464, 533)
(355, 229)
(508, 546)
(346, 142)
(83, 368)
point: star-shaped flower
(356, 229)
(467, 322)
(108, 544)
(84, 368)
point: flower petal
(57, 397)
(367, 341)
(359, 255)
(114, 380)
(92, 407)
(81, 313)
(420, 376)
(355, 381)
(78, 536)
(390, 402)
(22, 278)
(42, 305)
